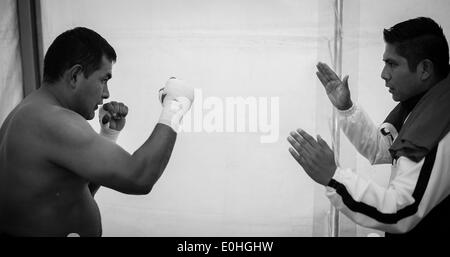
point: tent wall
(11, 91)
(231, 184)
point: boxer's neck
(57, 94)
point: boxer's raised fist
(176, 98)
(112, 115)
(175, 89)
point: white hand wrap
(176, 98)
(105, 130)
(173, 111)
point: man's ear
(425, 69)
(73, 74)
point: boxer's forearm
(147, 164)
(152, 157)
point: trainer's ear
(73, 74)
(425, 69)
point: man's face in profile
(92, 90)
(401, 82)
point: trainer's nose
(385, 74)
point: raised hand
(175, 89)
(176, 98)
(316, 157)
(113, 115)
(337, 90)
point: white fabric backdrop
(215, 183)
(11, 90)
(229, 184)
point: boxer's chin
(90, 116)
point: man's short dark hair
(418, 39)
(81, 46)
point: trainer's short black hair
(418, 39)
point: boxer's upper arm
(74, 145)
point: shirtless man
(52, 161)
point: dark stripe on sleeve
(390, 218)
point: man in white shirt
(414, 138)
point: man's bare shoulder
(37, 121)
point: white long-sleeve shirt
(414, 187)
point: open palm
(337, 90)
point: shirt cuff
(340, 177)
(332, 185)
(349, 112)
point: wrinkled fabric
(11, 89)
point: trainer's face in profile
(402, 83)
(92, 90)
